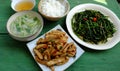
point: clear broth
(24, 5)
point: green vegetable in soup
(92, 26)
(25, 25)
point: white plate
(113, 18)
(79, 52)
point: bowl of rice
(53, 10)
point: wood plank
(6, 11)
(15, 56)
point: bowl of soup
(22, 5)
(25, 25)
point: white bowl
(22, 3)
(29, 37)
(65, 3)
(113, 18)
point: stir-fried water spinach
(92, 26)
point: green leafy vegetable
(92, 26)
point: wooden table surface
(15, 56)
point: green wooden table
(15, 56)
